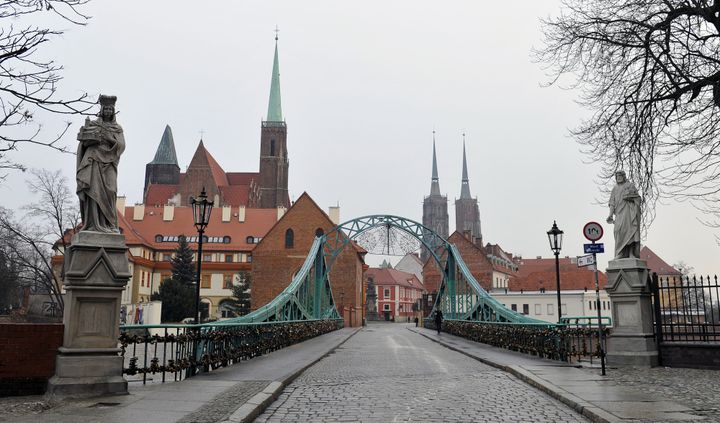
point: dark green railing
(545, 340)
(179, 351)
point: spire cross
(202, 132)
(277, 31)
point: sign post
(594, 232)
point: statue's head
(107, 107)
(620, 176)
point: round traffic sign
(593, 231)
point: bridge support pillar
(632, 342)
(88, 363)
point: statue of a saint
(625, 214)
(101, 142)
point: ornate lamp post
(555, 236)
(201, 208)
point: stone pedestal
(632, 341)
(88, 363)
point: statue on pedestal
(101, 142)
(625, 214)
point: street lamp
(201, 208)
(555, 236)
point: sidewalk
(611, 398)
(232, 394)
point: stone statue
(625, 214)
(101, 142)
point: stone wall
(696, 356)
(27, 356)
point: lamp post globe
(555, 236)
(202, 208)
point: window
(513, 307)
(226, 239)
(590, 305)
(207, 257)
(205, 282)
(272, 147)
(250, 240)
(386, 307)
(550, 309)
(538, 309)
(289, 238)
(526, 308)
(227, 281)
(386, 293)
(166, 257)
(319, 232)
(228, 258)
(158, 238)
(226, 310)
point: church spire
(465, 186)
(435, 184)
(274, 113)
(165, 153)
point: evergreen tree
(183, 267)
(240, 302)
(177, 293)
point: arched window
(158, 238)
(249, 240)
(319, 232)
(226, 239)
(272, 147)
(289, 238)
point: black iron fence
(555, 342)
(687, 309)
(174, 352)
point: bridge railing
(546, 340)
(175, 352)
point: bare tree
(31, 242)
(29, 82)
(650, 72)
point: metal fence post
(655, 289)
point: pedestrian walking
(438, 320)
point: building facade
(283, 250)
(399, 294)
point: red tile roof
(394, 277)
(242, 178)
(237, 195)
(534, 274)
(656, 264)
(257, 223)
(159, 194)
(217, 171)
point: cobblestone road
(386, 373)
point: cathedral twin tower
(467, 213)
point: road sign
(587, 260)
(594, 248)
(593, 231)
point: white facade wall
(543, 305)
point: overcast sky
(363, 87)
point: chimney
(241, 214)
(225, 213)
(281, 212)
(120, 205)
(168, 213)
(138, 212)
(334, 213)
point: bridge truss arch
(308, 295)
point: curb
(595, 414)
(255, 406)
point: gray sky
(363, 87)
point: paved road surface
(386, 373)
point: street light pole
(555, 236)
(201, 208)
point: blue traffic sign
(594, 248)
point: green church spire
(165, 153)
(274, 113)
